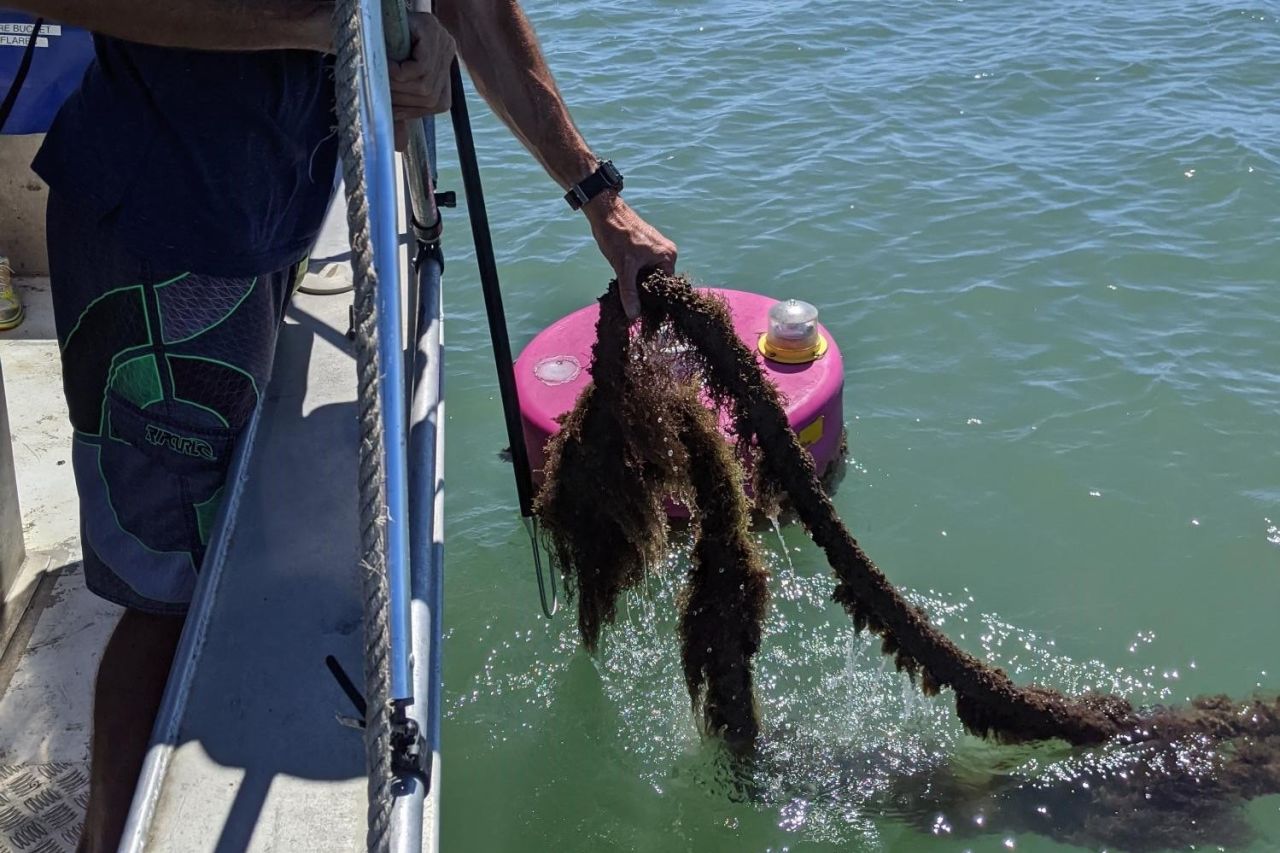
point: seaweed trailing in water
(1156, 794)
(634, 439)
(723, 606)
(638, 437)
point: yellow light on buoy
(793, 336)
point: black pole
(492, 294)
(20, 75)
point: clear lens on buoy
(793, 335)
(557, 369)
(793, 324)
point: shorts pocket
(181, 445)
(164, 474)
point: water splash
(782, 542)
(847, 739)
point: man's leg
(162, 370)
(131, 680)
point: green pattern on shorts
(138, 381)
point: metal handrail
(382, 183)
(415, 816)
(416, 807)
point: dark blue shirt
(214, 162)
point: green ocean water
(1045, 236)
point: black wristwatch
(605, 177)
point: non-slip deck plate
(42, 806)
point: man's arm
(500, 49)
(201, 24)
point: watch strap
(605, 177)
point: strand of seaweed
(642, 433)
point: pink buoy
(556, 365)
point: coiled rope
(353, 129)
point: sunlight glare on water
(841, 725)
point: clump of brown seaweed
(644, 432)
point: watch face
(611, 174)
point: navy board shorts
(162, 370)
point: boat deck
(256, 758)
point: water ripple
(1045, 238)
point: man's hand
(632, 246)
(420, 84)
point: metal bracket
(430, 234)
(549, 608)
(409, 751)
(426, 251)
(427, 233)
